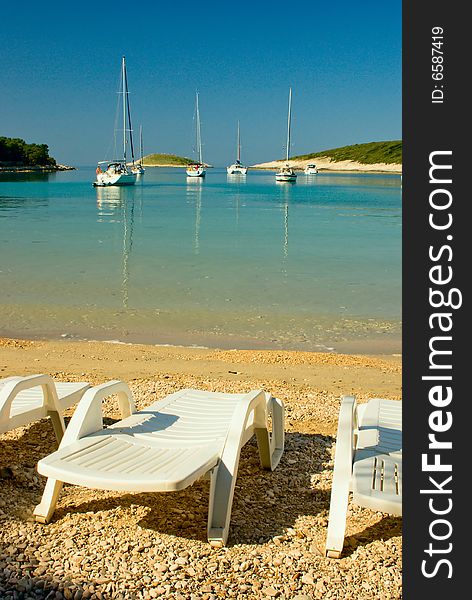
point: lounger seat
(27, 399)
(368, 462)
(165, 447)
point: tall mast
(288, 122)
(141, 142)
(239, 145)
(123, 88)
(199, 136)
(130, 130)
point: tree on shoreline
(16, 151)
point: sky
(60, 69)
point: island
(373, 157)
(166, 160)
(18, 156)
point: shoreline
(37, 169)
(386, 344)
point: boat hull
(286, 177)
(235, 170)
(104, 179)
(311, 170)
(199, 172)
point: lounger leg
(58, 424)
(337, 522)
(222, 482)
(271, 446)
(223, 477)
(45, 509)
(342, 474)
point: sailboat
(286, 173)
(237, 168)
(311, 169)
(116, 172)
(198, 168)
(138, 167)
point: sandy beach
(115, 545)
(327, 164)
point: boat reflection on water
(194, 196)
(232, 178)
(286, 193)
(236, 180)
(110, 198)
(116, 205)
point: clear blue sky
(60, 65)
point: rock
(111, 545)
(6, 473)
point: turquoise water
(219, 262)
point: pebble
(135, 546)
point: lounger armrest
(88, 416)
(14, 385)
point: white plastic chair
(368, 462)
(27, 399)
(164, 447)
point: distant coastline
(371, 157)
(182, 166)
(327, 164)
(35, 168)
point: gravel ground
(114, 545)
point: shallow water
(222, 262)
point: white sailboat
(117, 172)
(311, 169)
(286, 173)
(237, 168)
(197, 169)
(138, 167)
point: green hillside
(156, 160)
(368, 154)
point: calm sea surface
(220, 262)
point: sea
(220, 262)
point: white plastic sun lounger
(164, 447)
(27, 399)
(368, 462)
